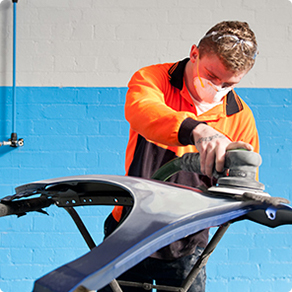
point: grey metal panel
(161, 214)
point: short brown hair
(233, 58)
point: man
(188, 106)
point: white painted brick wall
(102, 42)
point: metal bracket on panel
(271, 212)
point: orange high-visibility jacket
(162, 116)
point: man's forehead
(213, 64)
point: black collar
(176, 75)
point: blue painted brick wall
(66, 131)
(74, 131)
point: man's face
(211, 68)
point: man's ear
(194, 53)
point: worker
(188, 106)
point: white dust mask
(209, 92)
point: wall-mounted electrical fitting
(13, 141)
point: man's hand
(212, 146)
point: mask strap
(209, 82)
(202, 84)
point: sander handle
(238, 163)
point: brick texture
(75, 131)
(74, 59)
(101, 43)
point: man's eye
(211, 76)
(225, 85)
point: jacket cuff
(185, 136)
